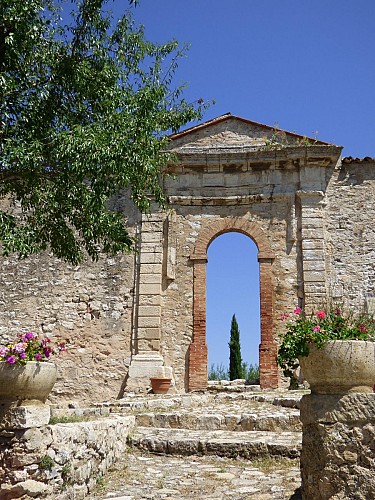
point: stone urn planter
(32, 381)
(160, 385)
(340, 367)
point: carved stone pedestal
(144, 366)
(338, 446)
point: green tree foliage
(235, 360)
(86, 104)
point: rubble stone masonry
(310, 214)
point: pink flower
(297, 311)
(11, 360)
(20, 347)
(3, 351)
(22, 355)
(29, 336)
(316, 328)
(38, 356)
(321, 314)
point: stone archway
(198, 352)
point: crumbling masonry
(310, 214)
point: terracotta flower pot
(160, 385)
(31, 381)
(341, 366)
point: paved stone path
(209, 446)
(148, 476)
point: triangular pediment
(234, 133)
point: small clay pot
(160, 385)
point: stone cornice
(228, 200)
(253, 153)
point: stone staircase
(229, 424)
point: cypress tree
(235, 360)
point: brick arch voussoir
(229, 224)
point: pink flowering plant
(320, 327)
(28, 347)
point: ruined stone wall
(338, 455)
(142, 310)
(61, 461)
(89, 306)
(350, 234)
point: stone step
(152, 402)
(247, 444)
(256, 418)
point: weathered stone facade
(338, 456)
(132, 317)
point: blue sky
(306, 65)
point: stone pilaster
(338, 446)
(147, 361)
(311, 234)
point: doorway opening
(232, 289)
(198, 352)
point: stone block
(151, 258)
(149, 322)
(29, 487)
(152, 237)
(145, 365)
(151, 269)
(149, 288)
(314, 254)
(30, 413)
(356, 407)
(312, 244)
(338, 446)
(149, 311)
(313, 276)
(313, 234)
(149, 278)
(150, 300)
(314, 265)
(149, 333)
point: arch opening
(198, 352)
(232, 282)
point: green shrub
(250, 371)
(218, 372)
(46, 463)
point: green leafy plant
(320, 327)
(46, 463)
(66, 473)
(87, 105)
(218, 372)
(250, 371)
(28, 347)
